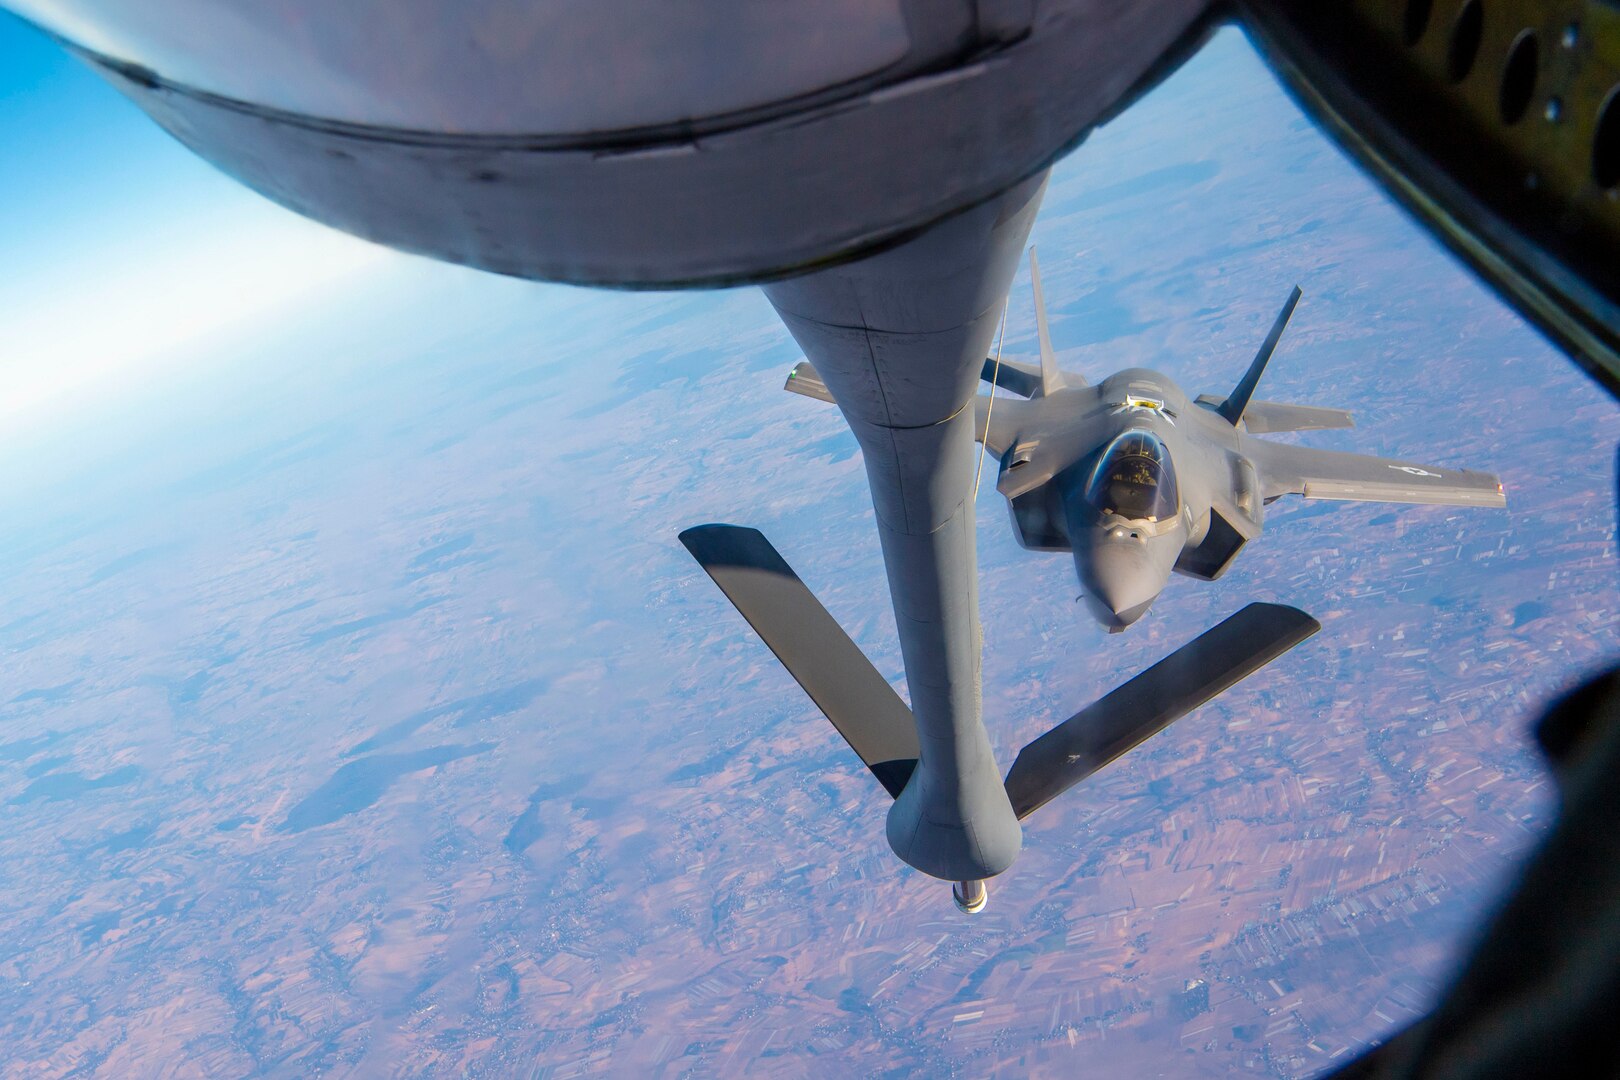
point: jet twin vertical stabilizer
(1021, 379)
(1238, 400)
(1051, 377)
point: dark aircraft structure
(1137, 480)
(875, 164)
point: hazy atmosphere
(363, 716)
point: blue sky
(120, 246)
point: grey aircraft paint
(635, 143)
(899, 339)
(1137, 480)
(1130, 476)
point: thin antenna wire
(994, 375)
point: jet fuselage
(1137, 480)
(1134, 466)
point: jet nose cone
(1116, 608)
(1121, 579)
(1115, 618)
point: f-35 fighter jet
(1137, 480)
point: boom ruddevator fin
(1128, 715)
(812, 646)
(1238, 400)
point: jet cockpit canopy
(1134, 479)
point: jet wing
(1328, 474)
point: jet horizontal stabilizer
(805, 379)
(1270, 417)
(1012, 376)
(1123, 718)
(812, 646)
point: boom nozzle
(970, 896)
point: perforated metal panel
(1496, 121)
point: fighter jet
(1137, 480)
